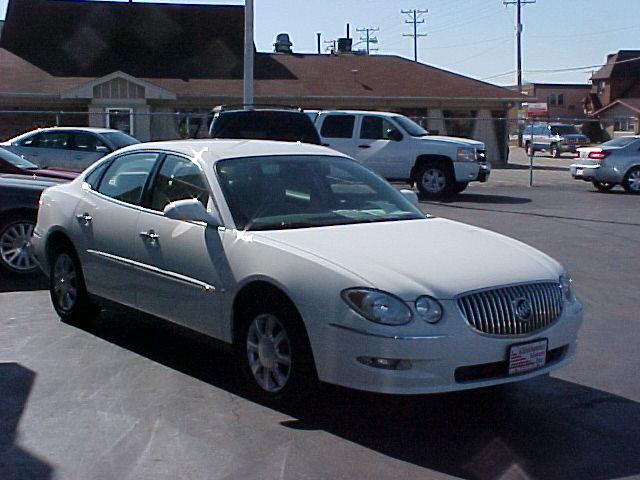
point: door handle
(150, 235)
(85, 217)
(364, 146)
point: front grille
(515, 310)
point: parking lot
(123, 399)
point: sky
(470, 37)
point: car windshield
(284, 192)
(120, 140)
(411, 127)
(564, 130)
(17, 161)
(619, 142)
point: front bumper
(466, 172)
(454, 357)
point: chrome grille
(493, 311)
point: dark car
(19, 202)
(287, 124)
(12, 163)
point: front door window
(120, 119)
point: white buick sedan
(309, 265)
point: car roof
(214, 150)
(83, 129)
(359, 112)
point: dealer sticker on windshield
(526, 357)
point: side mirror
(410, 195)
(102, 149)
(394, 135)
(191, 210)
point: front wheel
(603, 186)
(67, 289)
(530, 150)
(631, 182)
(15, 257)
(555, 151)
(275, 354)
(435, 180)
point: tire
(460, 187)
(15, 233)
(631, 182)
(68, 290)
(603, 186)
(529, 149)
(435, 180)
(274, 351)
(555, 150)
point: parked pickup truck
(397, 148)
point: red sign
(537, 110)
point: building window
(624, 125)
(555, 99)
(120, 119)
(601, 87)
(459, 123)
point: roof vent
(283, 43)
(344, 45)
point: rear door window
(338, 126)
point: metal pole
(415, 36)
(248, 54)
(319, 43)
(531, 154)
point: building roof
(312, 76)
(618, 64)
(630, 103)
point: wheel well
(9, 215)
(257, 294)
(57, 242)
(424, 159)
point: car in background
(616, 162)
(308, 265)
(71, 148)
(12, 163)
(397, 148)
(555, 138)
(19, 202)
(262, 122)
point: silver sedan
(616, 162)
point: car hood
(455, 140)
(434, 256)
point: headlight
(466, 155)
(565, 283)
(429, 309)
(377, 306)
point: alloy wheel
(269, 352)
(433, 180)
(13, 247)
(634, 181)
(65, 282)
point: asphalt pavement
(126, 398)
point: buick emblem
(522, 309)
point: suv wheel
(67, 288)
(631, 182)
(435, 180)
(555, 150)
(15, 234)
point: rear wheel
(603, 186)
(67, 288)
(631, 182)
(435, 180)
(555, 150)
(15, 234)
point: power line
(368, 38)
(415, 19)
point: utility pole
(248, 54)
(368, 38)
(519, 28)
(415, 17)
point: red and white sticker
(527, 357)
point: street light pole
(248, 54)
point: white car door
(179, 261)
(107, 217)
(337, 131)
(382, 147)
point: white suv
(397, 148)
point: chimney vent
(283, 43)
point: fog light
(385, 363)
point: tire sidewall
(83, 309)
(449, 180)
(626, 183)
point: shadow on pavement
(545, 428)
(16, 283)
(16, 382)
(480, 198)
